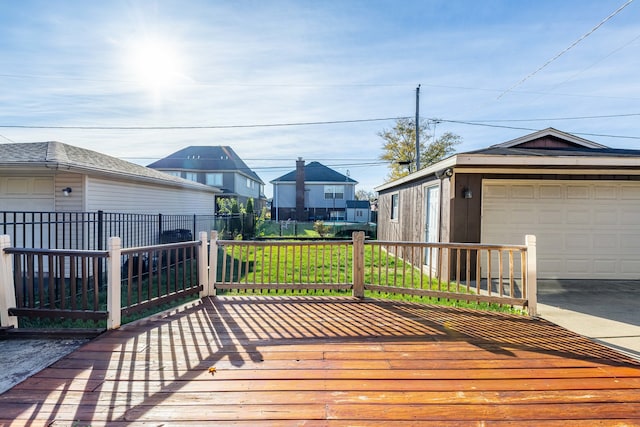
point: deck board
(331, 362)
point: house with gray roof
(311, 192)
(57, 177)
(217, 166)
(579, 198)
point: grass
(159, 285)
(331, 264)
(317, 264)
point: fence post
(358, 264)
(532, 275)
(213, 263)
(203, 274)
(114, 293)
(195, 226)
(8, 292)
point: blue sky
(212, 63)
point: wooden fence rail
(67, 283)
(502, 274)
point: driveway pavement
(22, 358)
(606, 311)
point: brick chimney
(300, 213)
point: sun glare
(155, 64)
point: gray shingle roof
(205, 158)
(558, 152)
(358, 204)
(316, 172)
(68, 156)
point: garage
(26, 193)
(584, 229)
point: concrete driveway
(607, 311)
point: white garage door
(585, 229)
(26, 194)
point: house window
(333, 192)
(394, 206)
(192, 176)
(214, 179)
(174, 173)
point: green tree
(399, 147)
(249, 228)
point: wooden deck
(331, 362)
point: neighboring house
(56, 177)
(581, 200)
(358, 211)
(217, 166)
(311, 192)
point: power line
(331, 122)
(486, 123)
(568, 48)
(536, 130)
(609, 116)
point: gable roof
(217, 158)
(316, 172)
(548, 149)
(56, 155)
(566, 139)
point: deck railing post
(114, 294)
(8, 292)
(532, 275)
(213, 262)
(203, 265)
(358, 264)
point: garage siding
(585, 230)
(127, 197)
(26, 193)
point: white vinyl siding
(121, 196)
(74, 202)
(584, 229)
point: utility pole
(417, 128)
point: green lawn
(331, 264)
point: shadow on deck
(331, 361)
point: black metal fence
(67, 285)
(91, 230)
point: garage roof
(58, 155)
(550, 148)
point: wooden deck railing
(58, 283)
(97, 285)
(73, 284)
(498, 274)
